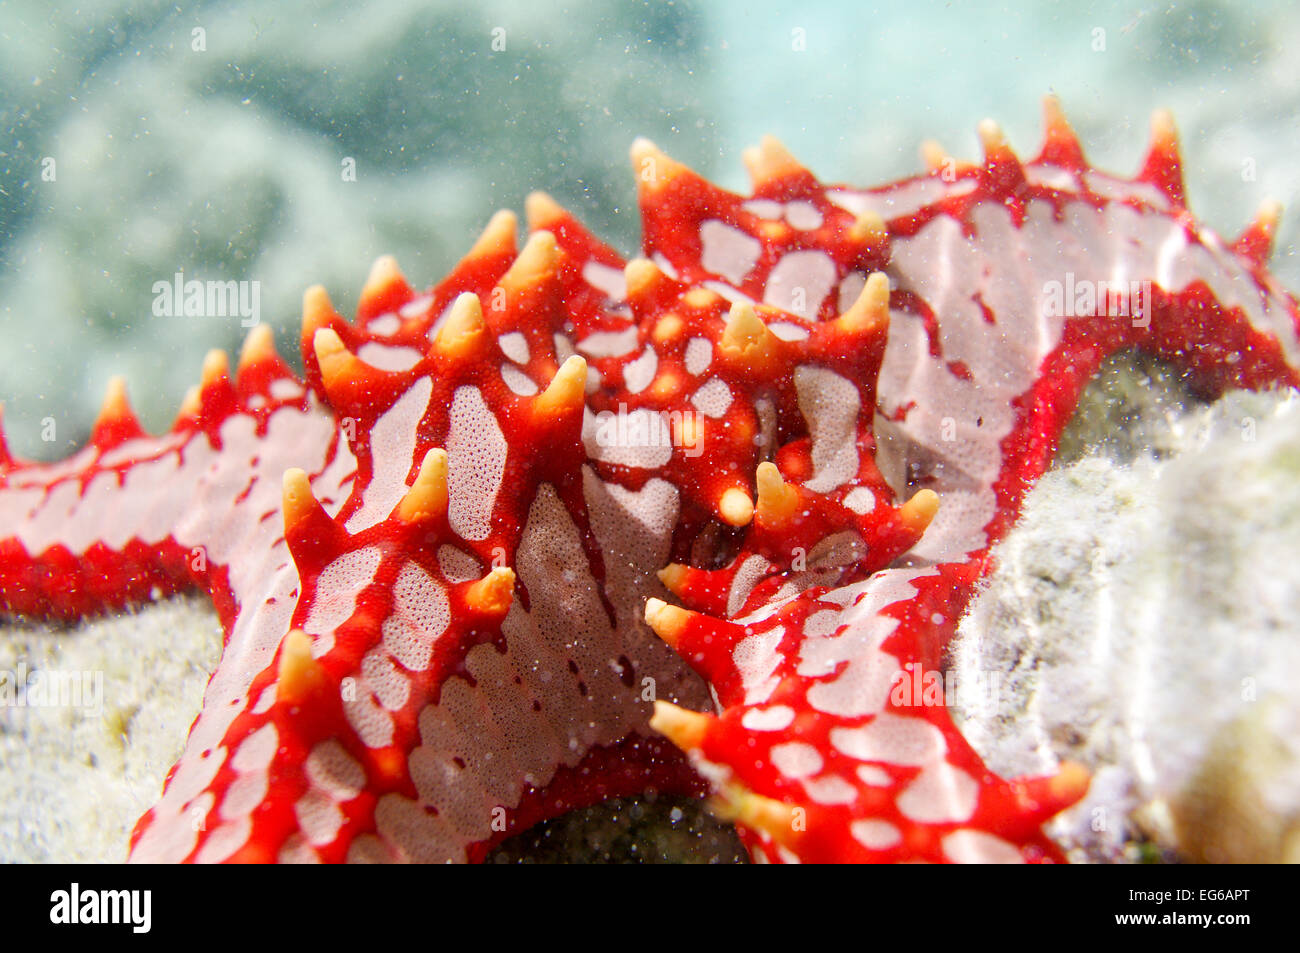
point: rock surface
(1142, 621)
(74, 778)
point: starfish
(565, 527)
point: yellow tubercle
(384, 273)
(463, 328)
(917, 512)
(540, 257)
(672, 576)
(736, 803)
(297, 500)
(566, 392)
(667, 621)
(541, 210)
(870, 312)
(338, 365)
(666, 385)
(1070, 782)
(654, 169)
(498, 237)
(191, 404)
(666, 328)
(1268, 217)
(992, 138)
(216, 368)
(115, 405)
(684, 728)
(745, 337)
(317, 311)
(1164, 133)
(388, 765)
(493, 593)
(736, 508)
(869, 229)
(641, 274)
(1054, 121)
(427, 496)
(298, 672)
(934, 155)
(770, 161)
(701, 298)
(259, 347)
(778, 501)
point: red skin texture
(1216, 344)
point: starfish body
(444, 558)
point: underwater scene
(661, 432)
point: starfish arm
(448, 559)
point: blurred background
(212, 138)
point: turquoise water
(220, 153)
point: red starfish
(435, 559)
